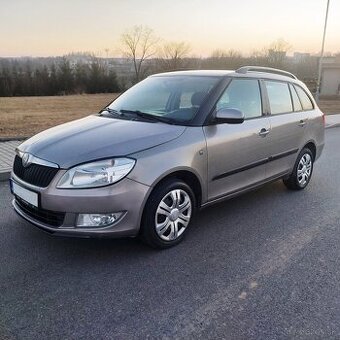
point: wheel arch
(186, 175)
(311, 145)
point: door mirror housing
(230, 116)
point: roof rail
(245, 69)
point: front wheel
(302, 171)
(168, 214)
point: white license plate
(28, 196)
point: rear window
(304, 98)
(296, 101)
(279, 97)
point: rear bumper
(126, 196)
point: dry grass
(26, 116)
(330, 106)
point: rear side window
(296, 101)
(244, 95)
(279, 97)
(305, 100)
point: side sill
(243, 190)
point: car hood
(97, 137)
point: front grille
(48, 217)
(35, 174)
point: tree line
(145, 54)
(59, 78)
(139, 44)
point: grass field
(26, 116)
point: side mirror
(230, 116)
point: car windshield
(175, 99)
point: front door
(238, 153)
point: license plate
(28, 196)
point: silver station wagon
(171, 144)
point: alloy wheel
(304, 169)
(173, 215)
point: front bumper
(126, 196)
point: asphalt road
(263, 265)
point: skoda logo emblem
(25, 160)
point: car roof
(208, 73)
(229, 73)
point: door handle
(302, 123)
(264, 132)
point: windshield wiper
(148, 116)
(111, 111)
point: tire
(302, 172)
(165, 226)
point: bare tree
(139, 43)
(172, 55)
(224, 59)
(258, 58)
(276, 52)
(274, 55)
(218, 54)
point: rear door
(288, 122)
(237, 153)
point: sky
(57, 27)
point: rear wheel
(302, 171)
(168, 214)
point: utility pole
(317, 97)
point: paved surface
(7, 152)
(263, 265)
(332, 120)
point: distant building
(330, 77)
(298, 56)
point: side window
(279, 97)
(305, 100)
(296, 101)
(244, 95)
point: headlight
(96, 174)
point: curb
(330, 126)
(10, 139)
